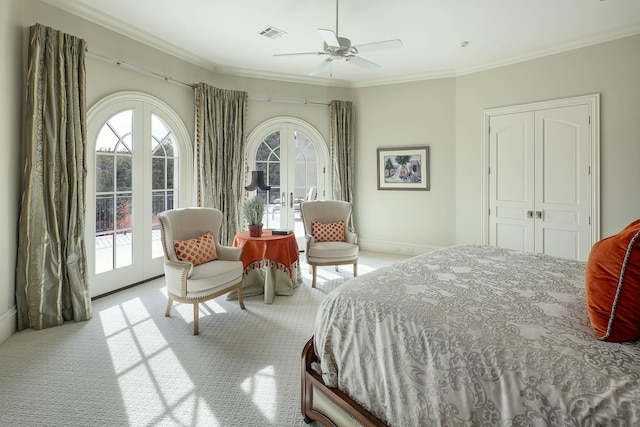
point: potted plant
(253, 211)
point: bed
(465, 336)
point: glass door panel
(113, 229)
(290, 163)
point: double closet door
(540, 183)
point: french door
(293, 157)
(135, 170)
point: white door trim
(593, 103)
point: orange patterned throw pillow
(333, 232)
(613, 286)
(196, 251)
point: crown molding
(555, 49)
(91, 14)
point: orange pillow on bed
(612, 282)
(196, 251)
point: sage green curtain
(220, 144)
(51, 272)
(343, 151)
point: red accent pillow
(333, 232)
(196, 251)
(612, 282)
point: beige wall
(442, 113)
(400, 115)
(611, 69)
(10, 119)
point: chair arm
(351, 237)
(229, 253)
(310, 241)
(176, 274)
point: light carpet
(132, 366)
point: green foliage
(253, 211)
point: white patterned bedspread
(476, 335)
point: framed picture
(403, 168)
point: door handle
(291, 200)
(529, 214)
(539, 214)
(283, 200)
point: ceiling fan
(336, 48)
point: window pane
(124, 210)
(124, 173)
(168, 146)
(158, 173)
(158, 203)
(104, 253)
(104, 213)
(104, 173)
(159, 129)
(125, 146)
(122, 123)
(124, 249)
(170, 171)
(107, 140)
(171, 195)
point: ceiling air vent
(272, 32)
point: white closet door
(539, 181)
(511, 181)
(563, 190)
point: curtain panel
(343, 151)
(51, 271)
(220, 144)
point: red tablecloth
(268, 250)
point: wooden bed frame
(328, 405)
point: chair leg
(313, 281)
(240, 300)
(167, 312)
(196, 318)
(355, 269)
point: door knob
(529, 214)
(539, 214)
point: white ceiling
(223, 35)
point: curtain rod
(138, 68)
(192, 85)
(290, 101)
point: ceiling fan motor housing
(342, 51)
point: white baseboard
(8, 322)
(388, 247)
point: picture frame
(403, 168)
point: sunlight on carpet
(132, 366)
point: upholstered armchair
(329, 241)
(197, 268)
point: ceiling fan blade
(320, 67)
(299, 54)
(363, 63)
(383, 45)
(329, 37)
